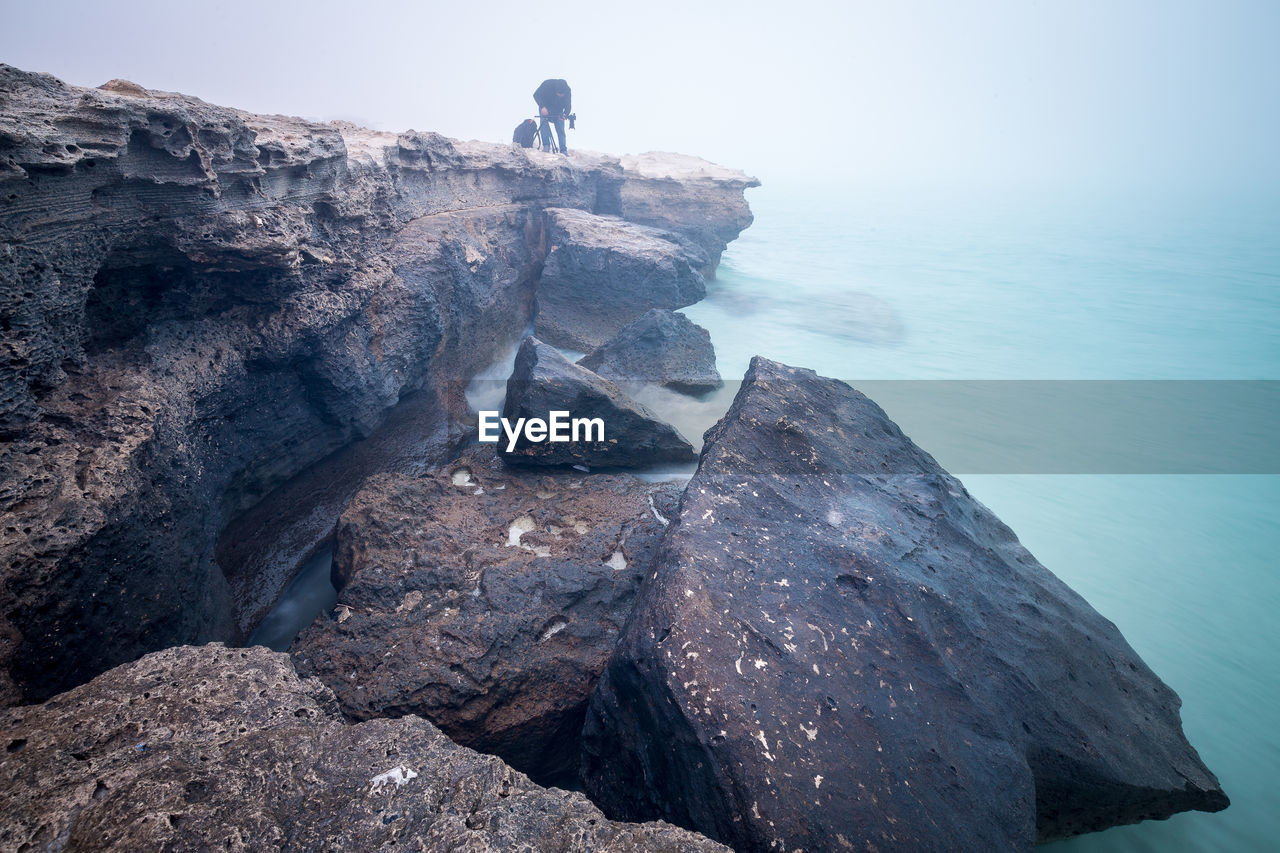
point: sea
(1101, 369)
(924, 299)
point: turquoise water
(865, 285)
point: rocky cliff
(207, 316)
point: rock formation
(842, 649)
(486, 599)
(602, 272)
(198, 305)
(698, 200)
(545, 381)
(228, 749)
(216, 328)
(661, 347)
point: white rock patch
(519, 527)
(663, 521)
(554, 628)
(398, 776)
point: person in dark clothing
(554, 102)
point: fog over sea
(868, 286)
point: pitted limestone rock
(198, 748)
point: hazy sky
(1055, 91)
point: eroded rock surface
(662, 347)
(487, 600)
(202, 748)
(199, 304)
(842, 647)
(602, 272)
(701, 200)
(544, 381)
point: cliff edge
(198, 305)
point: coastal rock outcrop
(841, 648)
(700, 200)
(486, 599)
(662, 347)
(602, 272)
(545, 381)
(201, 748)
(197, 306)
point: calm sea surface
(878, 286)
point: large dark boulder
(662, 347)
(544, 381)
(602, 272)
(228, 749)
(486, 599)
(842, 648)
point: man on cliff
(554, 104)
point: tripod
(553, 147)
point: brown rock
(199, 748)
(486, 600)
